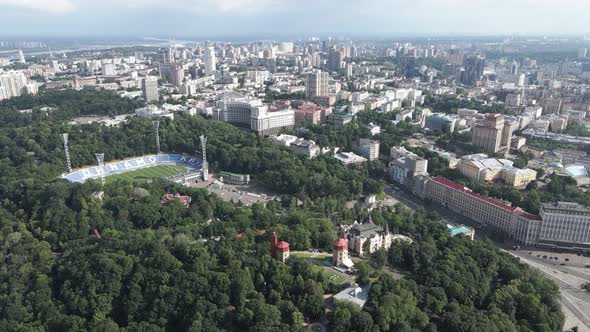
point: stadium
(179, 168)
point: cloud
(212, 7)
(45, 6)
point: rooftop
(468, 191)
(354, 294)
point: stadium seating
(93, 172)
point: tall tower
(157, 134)
(205, 165)
(100, 161)
(210, 61)
(21, 57)
(64, 137)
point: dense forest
(171, 268)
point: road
(569, 281)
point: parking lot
(246, 194)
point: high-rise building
(489, 134)
(334, 60)
(150, 89)
(316, 84)
(176, 75)
(514, 68)
(349, 70)
(109, 69)
(167, 56)
(12, 84)
(582, 52)
(456, 57)
(210, 61)
(473, 69)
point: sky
(292, 18)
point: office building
(582, 52)
(565, 225)
(490, 133)
(316, 84)
(479, 167)
(473, 69)
(149, 86)
(334, 60)
(250, 113)
(369, 148)
(405, 165)
(488, 212)
(560, 225)
(210, 61)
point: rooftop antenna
(100, 160)
(157, 133)
(64, 137)
(205, 164)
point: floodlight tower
(100, 160)
(64, 137)
(205, 165)
(157, 133)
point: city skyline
(264, 18)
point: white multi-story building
(369, 148)
(405, 165)
(12, 84)
(210, 61)
(565, 225)
(109, 69)
(251, 113)
(149, 86)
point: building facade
(316, 84)
(250, 113)
(369, 148)
(490, 134)
(149, 86)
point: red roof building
(185, 200)
(310, 113)
(486, 211)
(279, 250)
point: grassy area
(319, 256)
(335, 278)
(145, 174)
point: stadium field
(142, 175)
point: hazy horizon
(291, 18)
